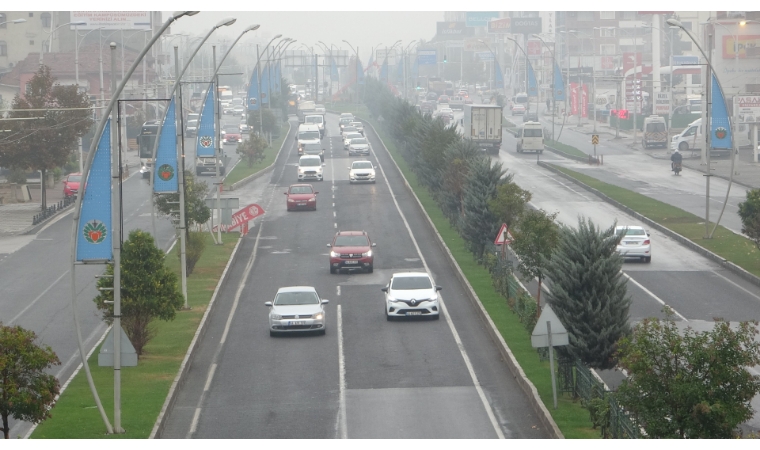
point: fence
(51, 210)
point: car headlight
(334, 254)
(300, 170)
(290, 200)
(312, 200)
(275, 316)
(391, 299)
(319, 316)
(367, 254)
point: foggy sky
(362, 29)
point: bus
(146, 140)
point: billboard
(479, 18)
(500, 26)
(381, 53)
(747, 43)
(662, 103)
(426, 57)
(111, 20)
(533, 49)
(525, 25)
(747, 105)
(474, 45)
(484, 56)
(453, 30)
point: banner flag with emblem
(93, 238)
(253, 91)
(532, 83)
(333, 70)
(371, 62)
(400, 70)
(204, 145)
(720, 124)
(165, 166)
(265, 91)
(559, 84)
(277, 78)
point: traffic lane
(674, 268)
(509, 404)
(180, 417)
(405, 359)
(290, 252)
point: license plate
(631, 242)
(301, 204)
(351, 262)
(414, 313)
(295, 322)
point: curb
(517, 372)
(667, 231)
(263, 171)
(179, 380)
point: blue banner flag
(165, 167)
(265, 91)
(371, 61)
(532, 84)
(559, 84)
(499, 76)
(93, 239)
(333, 70)
(276, 78)
(359, 71)
(415, 69)
(253, 91)
(205, 140)
(720, 124)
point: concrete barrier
(517, 372)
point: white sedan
(410, 294)
(634, 242)
(361, 171)
(347, 138)
(296, 309)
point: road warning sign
(595, 139)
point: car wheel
(332, 269)
(388, 317)
(198, 172)
(370, 269)
(648, 259)
(272, 333)
(683, 146)
(323, 331)
(437, 316)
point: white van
(693, 138)
(317, 120)
(307, 133)
(655, 132)
(530, 137)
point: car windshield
(304, 135)
(532, 132)
(192, 123)
(308, 162)
(655, 127)
(356, 124)
(312, 147)
(631, 231)
(411, 283)
(74, 178)
(301, 190)
(351, 136)
(314, 119)
(362, 165)
(230, 130)
(351, 241)
(296, 298)
(358, 141)
(348, 128)
(346, 120)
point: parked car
(297, 309)
(301, 196)
(410, 294)
(361, 171)
(71, 184)
(351, 250)
(634, 242)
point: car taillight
(647, 242)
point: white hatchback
(410, 294)
(634, 242)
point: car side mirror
(324, 164)
(268, 303)
(374, 244)
(384, 289)
(329, 245)
(316, 193)
(348, 168)
(325, 301)
(438, 288)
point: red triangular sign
(503, 235)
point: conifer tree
(479, 225)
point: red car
(351, 250)
(443, 99)
(231, 135)
(71, 184)
(301, 196)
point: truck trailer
(482, 124)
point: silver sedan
(296, 309)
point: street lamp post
(404, 62)
(50, 40)
(258, 81)
(356, 69)
(554, 89)
(526, 70)
(76, 80)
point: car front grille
(404, 311)
(350, 255)
(300, 316)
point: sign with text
(662, 103)
(484, 56)
(746, 44)
(747, 105)
(111, 20)
(474, 45)
(453, 30)
(426, 57)
(526, 25)
(533, 49)
(685, 60)
(479, 18)
(246, 214)
(500, 26)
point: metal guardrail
(53, 209)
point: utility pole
(708, 133)
(217, 150)
(180, 180)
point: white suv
(310, 168)
(361, 171)
(411, 294)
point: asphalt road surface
(366, 378)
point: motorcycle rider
(675, 158)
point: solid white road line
(341, 378)
(33, 302)
(654, 296)
(460, 345)
(738, 286)
(210, 377)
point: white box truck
(305, 108)
(482, 124)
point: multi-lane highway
(366, 378)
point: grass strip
(725, 243)
(242, 170)
(145, 387)
(569, 149)
(571, 418)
